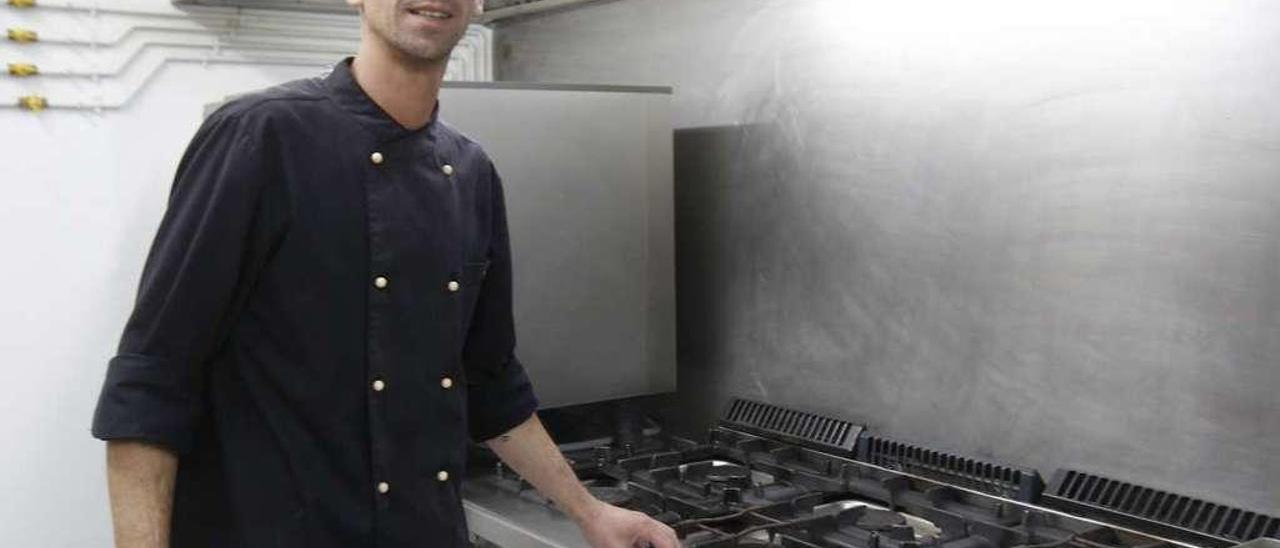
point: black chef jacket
(323, 320)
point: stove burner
(880, 520)
(719, 473)
(729, 474)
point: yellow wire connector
(22, 3)
(23, 69)
(24, 36)
(34, 103)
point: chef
(324, 320)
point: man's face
(422, 30)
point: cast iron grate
(824, 433)
(1158, 512)
(1012, 482)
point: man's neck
(405, 88)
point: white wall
(84, 193)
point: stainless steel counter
(515, 522)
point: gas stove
(768, 476)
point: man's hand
(607, 526)
(530, 452)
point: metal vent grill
(1158, 512)
(806, 428)
(1023, 484)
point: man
(325, 318)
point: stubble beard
(418, 50)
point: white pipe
(529, 9)
(319, 63)
(214, 48)
(190, 12)
(224, 30)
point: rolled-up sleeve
(499, 394)
(199, 267)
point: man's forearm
(529, 451)
(140, 478)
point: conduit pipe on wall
(189, 13)
(529, 8)
(214, 47)
(211, 30)
(221, 31)
(38, 102)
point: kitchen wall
(84, 196)
(1045, 233)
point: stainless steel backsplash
(1046, 233)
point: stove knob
(732, 495)
(603, 453)
(628, 450)
(498, 469)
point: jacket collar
(348, 94)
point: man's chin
(424, 54)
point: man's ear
(479, 7)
